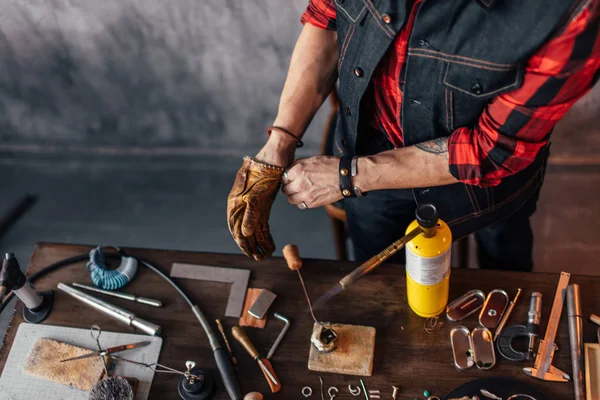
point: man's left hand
(313, 181)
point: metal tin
(493, 308)
(465, 305)
(461, 347)
(472, 348)
(483, 348)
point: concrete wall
(189, 74)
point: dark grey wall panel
(193, 74)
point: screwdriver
(240, 335)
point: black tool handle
(228, 374)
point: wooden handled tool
(240, 335)
(292, 257)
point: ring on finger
(303, 206)
(286, 178)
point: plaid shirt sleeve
(517, 124)
(320, 13)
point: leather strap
(299, 143)
(345, 177)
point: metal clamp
(307, 391)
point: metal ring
(354, 392)
(307, 391)
(286, 178)
(516, 396)
(433, 398)
(303, 206)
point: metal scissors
(95, 332)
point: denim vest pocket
(470, 84)
(482, 80)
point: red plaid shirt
(515, 125)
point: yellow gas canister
(428, 263)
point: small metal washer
(307, 391)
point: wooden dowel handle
(292, 257)
(240, 335)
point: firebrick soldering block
(354, 353)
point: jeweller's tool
(356, 356)
(428, 244)
(531, 331)
(294, 262)
(112, 311)
(493, 308)
(222, 330)
(576, 338)
(240, 335)
(465, 305)
(281, 334)
(543, 368)
(109, 351)
(507, 315)
(237, 277)
(12, 279)
(121, 295)
(368, 266)
(261, 305)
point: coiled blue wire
(110, 279)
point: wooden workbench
(405, 354)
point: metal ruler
(543, 368)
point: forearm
(422, 165)
(310, 78)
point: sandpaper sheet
(17, 385)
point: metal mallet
(576, 338)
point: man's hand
(252, 195)
(314, 181)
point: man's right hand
(252, 195)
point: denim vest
(461, 54)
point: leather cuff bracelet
(299, 143)
(345, 177)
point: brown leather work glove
(249, 206)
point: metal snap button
(476, 88)
(358, 72)
(348, 111)
(346, 193)
(386, 18)
(343, 172)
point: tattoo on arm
(435, 146)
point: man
(444, 102)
